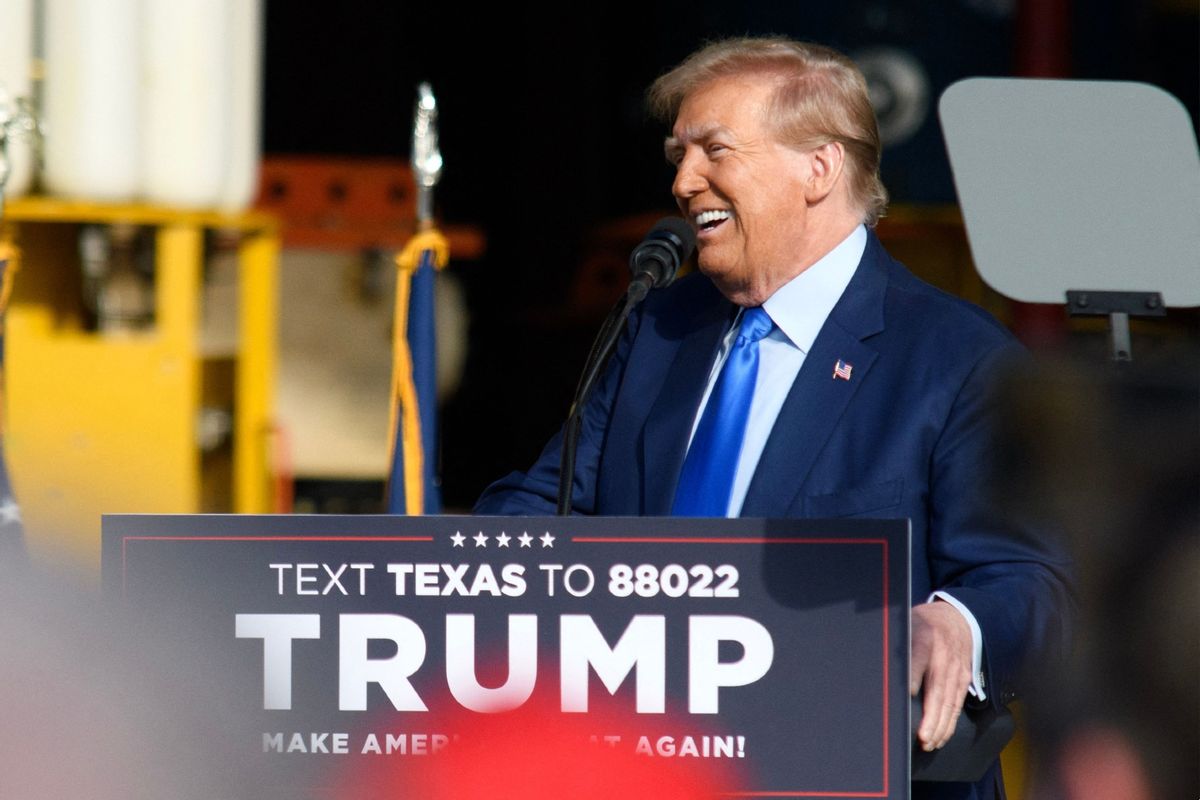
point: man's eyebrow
(673, 145)
(700, 133)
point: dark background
(546, 141)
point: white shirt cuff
(977, 681)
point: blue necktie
(707, 476)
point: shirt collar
(800, 307)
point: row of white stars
(503, 539)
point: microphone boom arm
(654, 263)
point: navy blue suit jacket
(906, 436)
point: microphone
(655, 261)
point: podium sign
(782, 644)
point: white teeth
(705, 217)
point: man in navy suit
(869, 391)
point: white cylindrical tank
(90, 96)
(245, 117)
(16, 80)
(187, 89)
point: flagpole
(412, 484)
(13, 121)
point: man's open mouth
(707, 221)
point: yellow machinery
(109, 422)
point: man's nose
(689, 178)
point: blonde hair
(821, 98)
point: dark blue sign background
(828, 718)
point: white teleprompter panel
(1063, 184)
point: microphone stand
(654, 262)
(598, 356)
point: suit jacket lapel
(669, 422)
(818, 399)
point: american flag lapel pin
(842, 370)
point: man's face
(741, 188)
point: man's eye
(714, 148)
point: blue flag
(413, 479)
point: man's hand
(941, 662)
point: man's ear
(828, 163)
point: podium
(778, 645)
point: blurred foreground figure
(104, 706)
(538, 753)
(1113, 459)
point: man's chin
(717, 273)
(713, 265)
